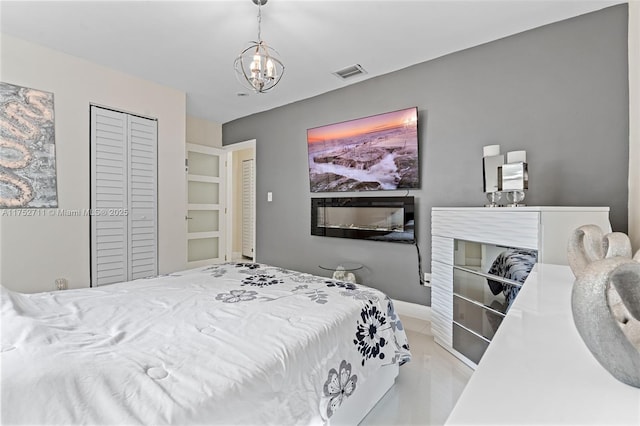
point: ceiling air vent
(349, 72)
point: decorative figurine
(606, 299)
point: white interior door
(248, 200)
(239, 151)
(205, 205)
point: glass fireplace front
(369, 218)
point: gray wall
(560, 92)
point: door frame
(230, 149)
(221, 153)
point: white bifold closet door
(124, 237)
(248, 197)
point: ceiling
(191, 45)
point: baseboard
(412, 310)
(236, 256)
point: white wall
(634, 124)
(37, 250)
(204, 132)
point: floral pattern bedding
(237, 343)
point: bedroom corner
(57, 239)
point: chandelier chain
(259, 21)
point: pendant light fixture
(258, 67)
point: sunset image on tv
(373, 153)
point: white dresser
(538, 371)
(465, 241)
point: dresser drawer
(468, 344)
(478, 288)
(476, 318)
(491, 226)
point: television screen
(367, 154)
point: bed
(236, 343)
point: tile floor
(427, 388)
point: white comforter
(227, 344)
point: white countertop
(537, 369)
(529, 209)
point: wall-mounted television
(373, 153)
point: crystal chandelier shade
(258, 67)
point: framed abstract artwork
(27, 148)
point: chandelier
(258, 67)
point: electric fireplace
(368, 218)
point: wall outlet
(427, 279)
(61, 283)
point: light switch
(269, 196)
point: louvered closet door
(143, 260)
(123, 197)
(248, 197)
(109, 165)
